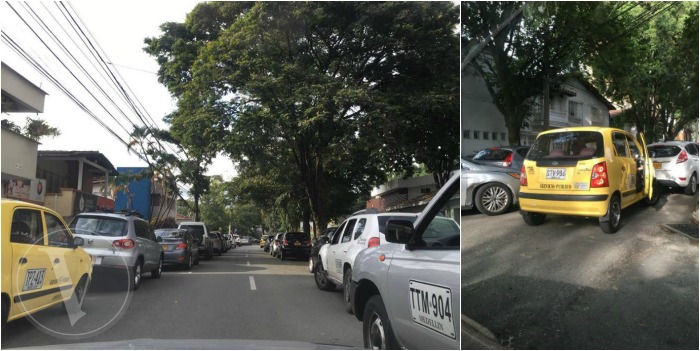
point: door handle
(22, 260)
(56, 261)
(345, 251)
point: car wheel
(493, 199)
(135, 276)
(79, 292)
(158, 271)
(321, 278)
(210, 253)
(190, 263)
(376, 328)
(311, 265)
(347, 280)
(692, 187)
(533, 218)
(219, 252)
(655, 196)
(610, 223)
(196, 257)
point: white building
(576, 103)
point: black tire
(79, 292)
(196, 257)
(158, 271)
(136, 275)
(210, 253)
(493, 199)
(692, 187)
(533, 219)
(321, 278)
(376, 327)
(347, 299)
(219, 252)
(190, 262)
(655, 196)
(311, 264)
(281, 255)
(610, 223)
(5, 312)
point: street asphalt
(567, 285)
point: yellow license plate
(657, 165)
(297, 244)
(165, 247)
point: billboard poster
(27, 190)
(84, 202)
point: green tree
(343, 92)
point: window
(620, 143)
(337, 234)
(503, 136)
(425, 190)
(359, 228)
(575, 112)
(58, 235)
(494, 136)
(467, 134)
(596, 116)
(347, 233)
(486, 135)
(141, 229)
(692, 149)
(634, 152)
(27, 227)
(476, 135)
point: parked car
(223, 242)
(364, 229)
(237, 239)
(676, 165)
(505, 156)
(585, 171)
(245, 240)
(493, 190)
(276, 244)
(199, 230)
(42, 265)
(268, 243)
(407, 292)
(229, 241)
(263, 239)
(322, 239)
(294, 244)
(216, 243)
(118, 241)
(179, 247)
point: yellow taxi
(42, 264)
(585, 171)
(263, 239)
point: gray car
(407, 292)
(502, 156)
(118, 241)
(491, 189)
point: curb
(672, 230)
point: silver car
(676, 164)
(407, 292)
(493, 190)
(117, 241)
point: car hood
(189, 344)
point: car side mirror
(399, 231)
(324, 240)
(159, 239)
(78, 241)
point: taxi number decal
(431, 307)
(338, 266)
(34, 279)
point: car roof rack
(130, 213)
(366, 211)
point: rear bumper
(296, 252)
(175, 257)
(571, 205)
(672, 177)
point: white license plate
(34, 279)
(556, 173)
(431, 306)
(96, 260)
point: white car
(407, 292)
(275, 246)
(237, 239)
(676, 164)
(362, 230)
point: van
(585, 171)
(199, 231)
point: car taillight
(372, 242)
(508, 161)
(682, 157)
(599, 176)
(285, 242)
(124, 243)
(308, 243)
(181, 246)
(523, 176)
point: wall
(19, 155)
(480, 115)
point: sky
(119, 28)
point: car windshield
(664, 150)
(492, 155)
(102, 226)
(578, 145)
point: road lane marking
(252, 283)
(286, 273)
(248, 263)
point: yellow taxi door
(624, 161)
(63, 257)
(31, 268)
(648, 168)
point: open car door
(648, 168)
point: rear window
(196, 230)
(102, 226)
(297, 236)
(170, 233)
(493, 155)
(664, 150)
(567, 145)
